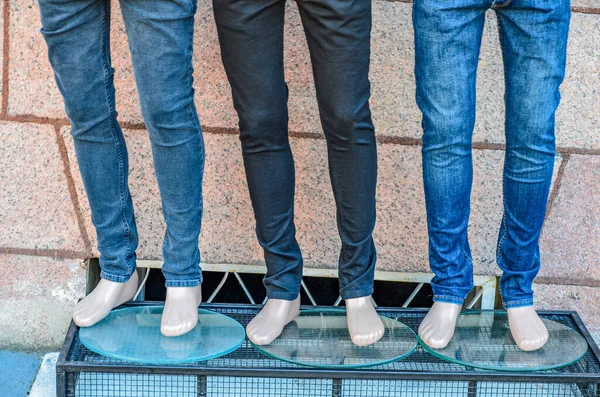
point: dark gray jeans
(338, 34)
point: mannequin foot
(269, 323)
(180, 314)
(106, 296)
(437, 327)
(364, 325)
(527, 329)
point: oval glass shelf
(482, 339)
(320, 338)
(133, 334)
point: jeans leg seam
(466, 256)
(503, 222)
(505, 232)
(193, 117)
(112, 127)
(335, 189)
(196, 120)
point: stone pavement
(17, 372)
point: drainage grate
(248, 373)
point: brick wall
(44, 214)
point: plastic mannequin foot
(527, 329)
(269, 323)
(106, 296)
(437, 327)
(364, 325)
(180, 314)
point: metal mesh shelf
(247, 372)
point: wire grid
(97, 384)
(93, 384)
(511, 389)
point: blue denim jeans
(338, 34)
(160, 37)
(533, 36)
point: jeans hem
(448, 299)
(357, 293)
(183, 283)
(115, 278)
(286, 296)
(518, 303)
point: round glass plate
(133, 334)
(320, 338)
(482, 339)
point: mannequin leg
(534, 67)
(77, 34)
(338, 36)
(251, 39)
(163, 74)
(447, 44)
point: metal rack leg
(336, 389)
(472, 392)
(202, 391)
(61, 384)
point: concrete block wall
(46, 231)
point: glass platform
(320, 338)
(133, 334)
(482, 339)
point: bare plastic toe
(106, 296)
(269, 323)
(180, 314)
(364, 324)
(527, 329)
(437, 328)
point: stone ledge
(37, 296)
(583, 300)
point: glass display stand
(320, 338)
(133, 334)
(482, 339)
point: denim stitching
(112, 128)
(466, 256)
(500, 243)
(448, 299)
(520, 303)
(359, 291)
(503, 222)
(194, 117)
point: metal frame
(486, 284)
(202, 371)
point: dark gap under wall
(324, 290)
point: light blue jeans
(533, 35)
(160, 37)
